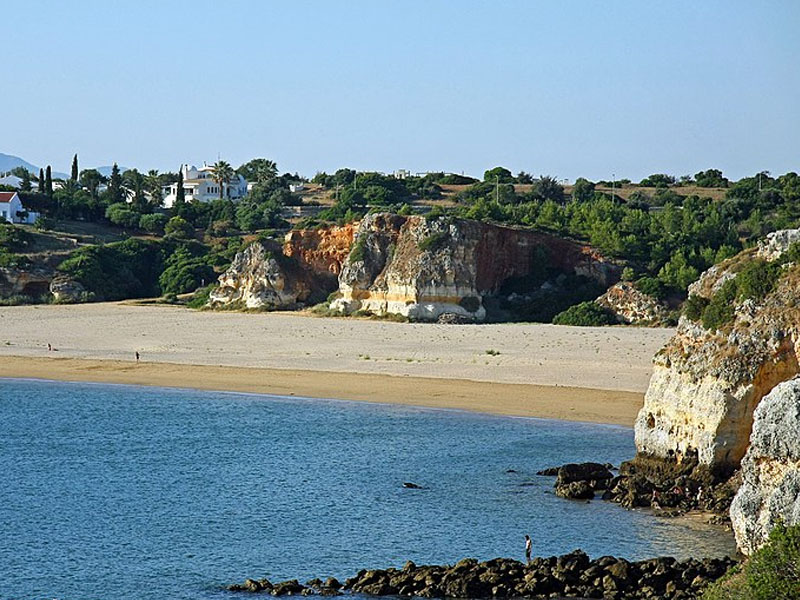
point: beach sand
(572, 373)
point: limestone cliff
(707, 383)
(424, 268)
(632, 306)
(262, 277)
(302, 271)
(321, 250)
(770, 491)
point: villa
(12, 211)
(199, 186)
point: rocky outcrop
(632, 306)
(707, 383)
(262, 277)
(423, 268)
(30, 280)
(321, 250)
(777, 242)
(572, 575)
(66, 290)
(770, 490)
(302, 271)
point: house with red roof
(12, 210)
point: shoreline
(565, 403)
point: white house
(199, 186)
(12, 211)
(11, 180)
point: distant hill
(8, 162)
(106, 171)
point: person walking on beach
(528, 547)
(137, 356)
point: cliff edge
(425, 268)
(738, 340)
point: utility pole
(497, 189)
(613, 184)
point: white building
(12, 211)
(199, 186)
(11, 180)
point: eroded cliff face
(261, 276)
(423, 269)
(631, 306)
(321, 250)
(303, 270)
(770, 490)
(706, 384)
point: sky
(564, 88)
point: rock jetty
(572, 575)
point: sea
(124, 492)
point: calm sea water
(143, 493)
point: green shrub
(434, 242)
(153, 223)
(359, 250)
(651, 286)
(201, 295)
(121, 214)
(720, 309)
(757, 279)
(585, 314)
(44, 223)
(694, 306)
(179, 227)
(13, 238)
(771, 573)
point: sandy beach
(580, 374)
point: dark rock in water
(577, 490)
(511, 470)
(412, 486)
(288, 588)
(570, 575)
(548, 472)
(333, 583)
(582, 472)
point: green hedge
(585, 314)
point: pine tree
(74, 168)
(25, 185)
(48, 182)
(180, 196)
(115, 185)
(41, 181)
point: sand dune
(589, 374)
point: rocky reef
(707, 382)
(632, 306)
(424, 268)
(770, 490)
(572, 575)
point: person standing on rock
(528, 548)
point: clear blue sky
(563, 88)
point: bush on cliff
(754, 281)
(771, 573)
(585, 314)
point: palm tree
(221, 173)
(153, 182)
